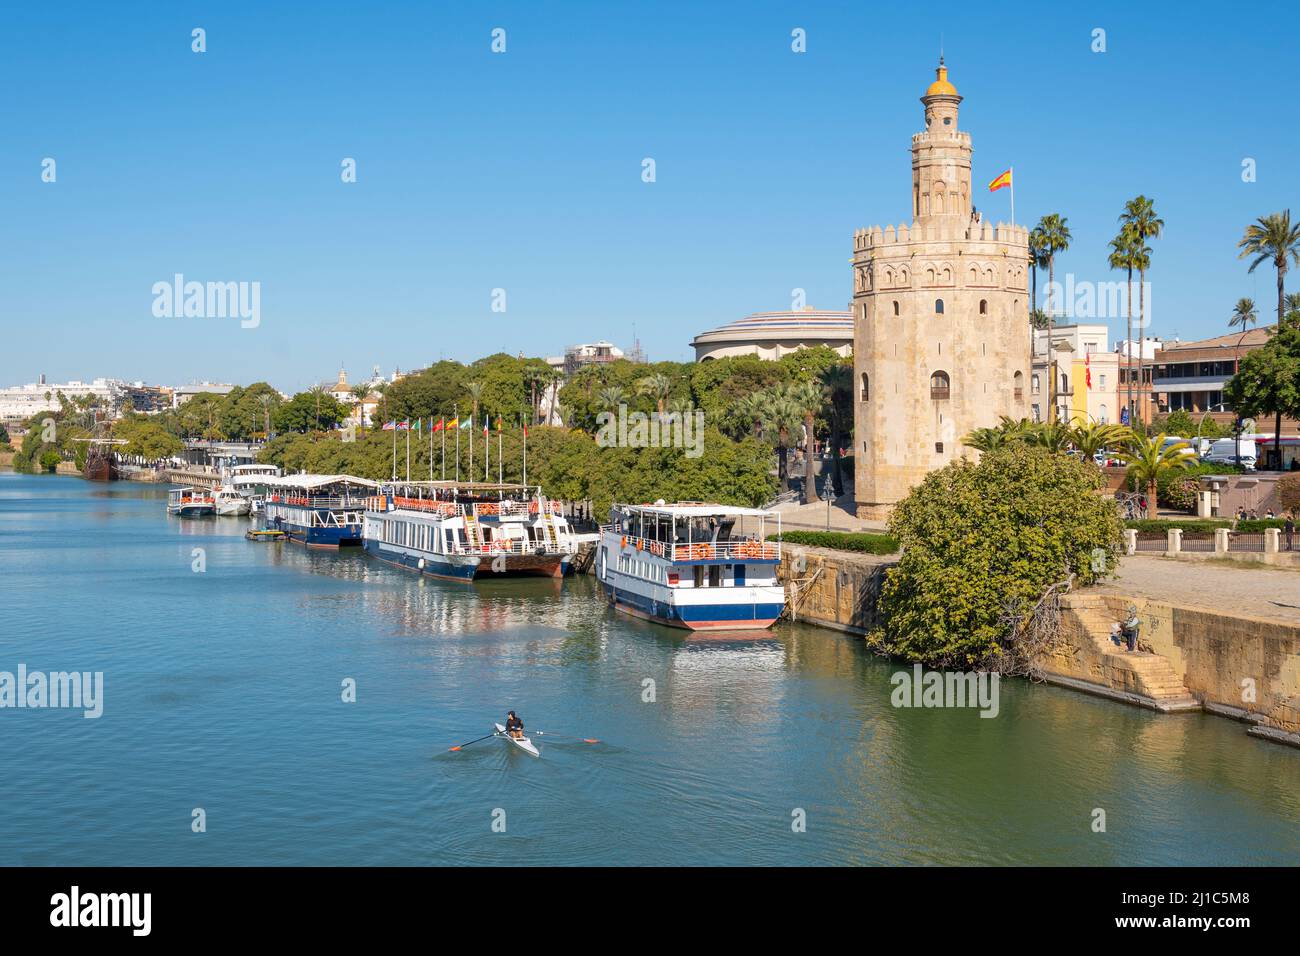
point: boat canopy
(696, 509)
(313, 482)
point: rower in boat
(514, 726)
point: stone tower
(941, 339)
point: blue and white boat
(323, 511)
(703, 567)
(469, 530)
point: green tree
(1268, 379)
(306, 411)
(982, 543)
(1276, 240)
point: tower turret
(941, 157)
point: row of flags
(443, 425)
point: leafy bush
(982, 543)
(1259, 524)
(841, 541)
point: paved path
(1249, 589)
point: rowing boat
(523, 743)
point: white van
(1224, 452)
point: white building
(20, 402)
(183, 393)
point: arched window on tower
(984, 306)
(938, 306)
(866, 387)
(940, 386)
(1018, 384)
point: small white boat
(231, 502)
(523, 743)
(190, 503)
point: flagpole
(525, 454)
(431, 448)
(501, 474)
(408, 451)
(487, 450)
(455, 414)
(394, 449)
(1013, 196)
(471, 446)
(442, 455)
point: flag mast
(455, 416)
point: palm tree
(1291, 302)
(1054, 436)
(361, 393)
(318, 391)
(265, 400)
(1091, 438)
(781, 415)
(1149, 459)
(1243, 316)
(611, 397)
(1054, 238)
(1037, 260)
(809, 398)
(837, 380)
(1007, 431)
(751, 408)
(1126, 253)
(1139, 219)
(1273, 238)
(658, 386)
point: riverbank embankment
(1222, 659)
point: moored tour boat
(230, 502)
(190, 503)
(322, 511)
(689, 565)
(468, 530)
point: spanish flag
(1001, 182)
(454, 423)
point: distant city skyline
(522, 171)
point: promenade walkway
(1226, 587)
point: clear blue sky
(522, 170)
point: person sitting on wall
(1130, 628)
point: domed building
(770, 335)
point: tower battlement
(866, 240)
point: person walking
(1289, 530)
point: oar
(476, 740)
(547, 733)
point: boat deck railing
(458, 509)
(732, 549)
(320, 501)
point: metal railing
(1246, 541)
(733, 549)
(1197, 543)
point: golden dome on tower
(941, 86)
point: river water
(223, 692)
